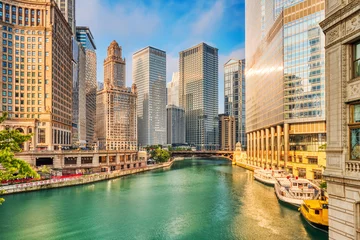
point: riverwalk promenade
(76, 180)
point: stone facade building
(116, 127)
(342, 29)
(36, 72)
(227, 132)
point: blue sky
(168, 25)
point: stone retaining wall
(80, 180)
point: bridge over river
(223, 154)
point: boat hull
(317, 226)
(291, 201)
(264, 181)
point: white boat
(268, 176)
(295, 190)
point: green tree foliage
(160, 155)
(11, 167)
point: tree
(160, 155)
(11, 167)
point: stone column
(286, 143)
(78, 161)
(248, 145)
(262, 145)
(117, 159)
(258, 148)
(26, 144)
(267, 145)
(272, 129)
(278, 130)
(107, 159)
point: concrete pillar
(286, 143)
(78, 161)
(258, 148)
(278, 130)
(117, 158)
(267, 145)
(262, 144)
(248, 145)
(107, 159)
(26, 144)
(272, 129)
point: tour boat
(295, 190)
(268, 176)
(315, 212)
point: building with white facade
(149, 75)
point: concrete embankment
(246, 166)
(85, 179)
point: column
(254, 148)
(248, 145)
(117, 159)
(258, 160)
(267, 146)
(78, 161)
(272, 129)
(278, 130)
(26, 144)
(286, 143)
(249, 157)
(262, 145)
(107, 159)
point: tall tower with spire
(116, 122)
(114, 65)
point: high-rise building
(86, 39)
(199, 95)
(227, 132)
(67, 7)
(175, 124)
(234, 93)
(149, 75)
(342, 173)
(173, 90)
(79, 96)
(116, 106)
(285, 85)
(36, 72)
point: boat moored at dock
(315, 212)
(268, 176)
(295, 190)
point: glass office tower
(234, 92)
(285, 102)
(149, 75)
(199, 95)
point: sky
(169, 25)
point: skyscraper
(234, 93)
(285, 85)
(37, 72)
(67, 7)
(173, 90)
(116, 105)
(149, 75)
(79, 96)
(199, 95)
(86, 39)
(175, 124)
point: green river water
(194, 199)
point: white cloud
(207, 21)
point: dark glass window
(357, 59)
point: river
(194, 199)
